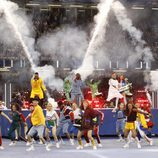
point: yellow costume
(142, 120)
(37, 87)
(37, 117)
(130, 126)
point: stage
(111, 149)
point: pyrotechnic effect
(136, 34)
(8, 7)
(97, 38)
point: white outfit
(113, 92)
(77, 114)
(52, 116)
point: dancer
(64, 120)
(67, 89)
(4, 115)
(37, 88)
(22, 124)
(131, 113)
(16, 122)
(94, 87)
(149, 119)
(120, 123)
(96, 122)
(114, 90)
(142, 122)
(76, 118)
(76, 90)
(38, 122)
(52, 121)
(87, 124)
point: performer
(38, 122)
(22, 124)
(64, 120)
(37, 88)
(113, 89)
(149, 119)
(76, 118)
(15, 125)
(87, 124)
(131, 113)
(67, 89)
(4, 115)
(141, 122)
(76, 90)
(120, 123)
(52, 121)
(96, 122)
(94, 87)
(122, 83)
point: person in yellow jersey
(38, 124)
(38, 88)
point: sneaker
(40, 142)
(28, 144)
(47, 147)
(120, 140)
(57, 145)
(33, 140)
(87, 145)
(100, 145)
(1, 148)
(139, 146)
(31, 148)
(72, 142)
(151, 142)
(94, 147)
(61, 142)
(80, 147)
(126, 145)
(12, 144)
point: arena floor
(111, 149)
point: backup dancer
(67, 89)
(96, 122)
(16, 122)
(52, 121)
(114, 90)
(141, 122)
(38, 125)
(120, 123)
(76, 118)
(76, 90)
(4, 115)
(94, 87)
(87, 124)
(64, 121)
(130, 126)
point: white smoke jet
(154, 80)
(136, 34)
(97, 38)
(47, 73)
(9, 9)
(20, 27)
